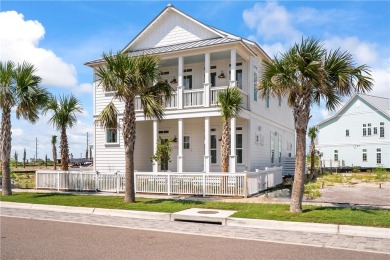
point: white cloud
(20, 42)
(271, 21)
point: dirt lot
(362, 193)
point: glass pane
(213, 140)
(238, 140)
(239, 78)
(239, 155)
(213, 156)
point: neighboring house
(358, 134)
(199, 61)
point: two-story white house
(358, 135)
(199, 61)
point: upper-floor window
(336, 155)
(187, 81)
(255, 86)
(382, 129)
(347, 132)
(364, 129)
(368, 129)
(213, 77)
(375, 130)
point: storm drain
(204, 216)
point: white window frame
(105, 137)
(184, 142)
(364, 154)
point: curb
(349, 230)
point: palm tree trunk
(64, 150)
(5, 146)
(225, 145)
(54, 149)
(312, 153)
(301, 112)
(129, 141)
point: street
(23, 238)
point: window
(336, 155)
(213, 77)
(280, 101)
(239, 147)
(375, 130)
(347, 132)
(186, 142)
(382, 129)
(111, 136)
(364, 155)
(364, 130)
(368, 129)
(255, 86)
(267, 100)
(213, 148)
(378, 155)
(272, 149)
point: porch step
(289, 166)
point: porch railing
(204, 184)
(193, 98)
(167, 103)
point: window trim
(189, 142)
(111, 143)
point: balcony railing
(193, 98)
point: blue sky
(59, 37)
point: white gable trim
(164, 12)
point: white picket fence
(210, 184)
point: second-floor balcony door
(238, 78)
(187, 81)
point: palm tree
(64, 116)
(129, 77)
(24, 158)
(229, 101)
(54, 150)
(312, 134)
(307, 73)
(19, 87)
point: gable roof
(214, 37)
(379, 104)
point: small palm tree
(129, 77)
(19, 87)
(64, 116)
(54, 150)
(312, 134)
(229, 102)
(307, 74)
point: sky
(58, 37)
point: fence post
(36, 179)
(245, 185)
(117, 182)
(204, 184)
(169, 184)
(81, 181)
(58, 181)
(97, 181)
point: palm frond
(230, 101)
(108, 118)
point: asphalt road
(41, 239)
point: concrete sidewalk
(216, 218)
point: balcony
(193, 98)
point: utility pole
(36, 149)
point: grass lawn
(362, 217)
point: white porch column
(207, 144)
(155, 140)
(233, 61)
(232, 161)
(180, 144)
(180, 83)
(206, 79)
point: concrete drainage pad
(212, 216)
